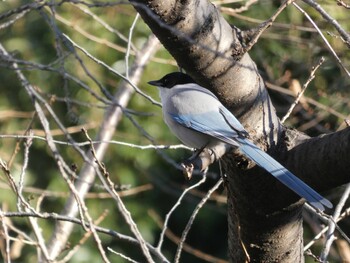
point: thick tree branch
(321, 161)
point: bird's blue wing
(232, 121)
(211, 123)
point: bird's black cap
(172, 79)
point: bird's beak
(155, 83)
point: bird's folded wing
(210, 123)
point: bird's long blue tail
(266, 162)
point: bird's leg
(223, 175)
(188, 166)
(199, 151)
(187, 169)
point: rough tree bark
(264, 217)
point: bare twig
(341, 3)
(266, 25)
(80, 144)
(13, 185)
(107, 43)
(241, 9)
(332, 223)
(12, 21)
(108, 126)
(193, 216)
(178, 202)
(319, 105)
(5, 236)
(27, 144)
(91, 195)
(86, 34)
(85, 237)
(22, 8)
(345, 214)
(105, 25)
(300, 94)
(186, 247)
(310, 254)
(230, 11)
(344, 34)
(63, 168)
(106, 231)
(127, 54)
(113, 71)
(123, 210)
(121, 255)
(323, 38)
(43, 254)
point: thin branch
(90, 195)
(310, 254)
(326, 108)
(341, 3)
(100, 62)
(332, 223)
(105, 25)
(344, 34)
(22, 8)
(109, 44)
(344, 215)
(106, 231)
(108, 126)
(193, 216)
(27, 145)
(28, 65)
(62, 166)
(186, 247)
(81, 144)
(323, 38)
(5, 235)
(300, 94)
(13, 185)
(230, 12)
(86, 34)
(12, 21)
(257, 32)
(122, 255)
(43, 254)
(127, 54)
(241, 9)
(178, 203)
(123, 210)
(85, 237)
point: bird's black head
(172, 79)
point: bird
(199, 120)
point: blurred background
(76, 88)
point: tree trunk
(264, 217)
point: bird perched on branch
(199, 120)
